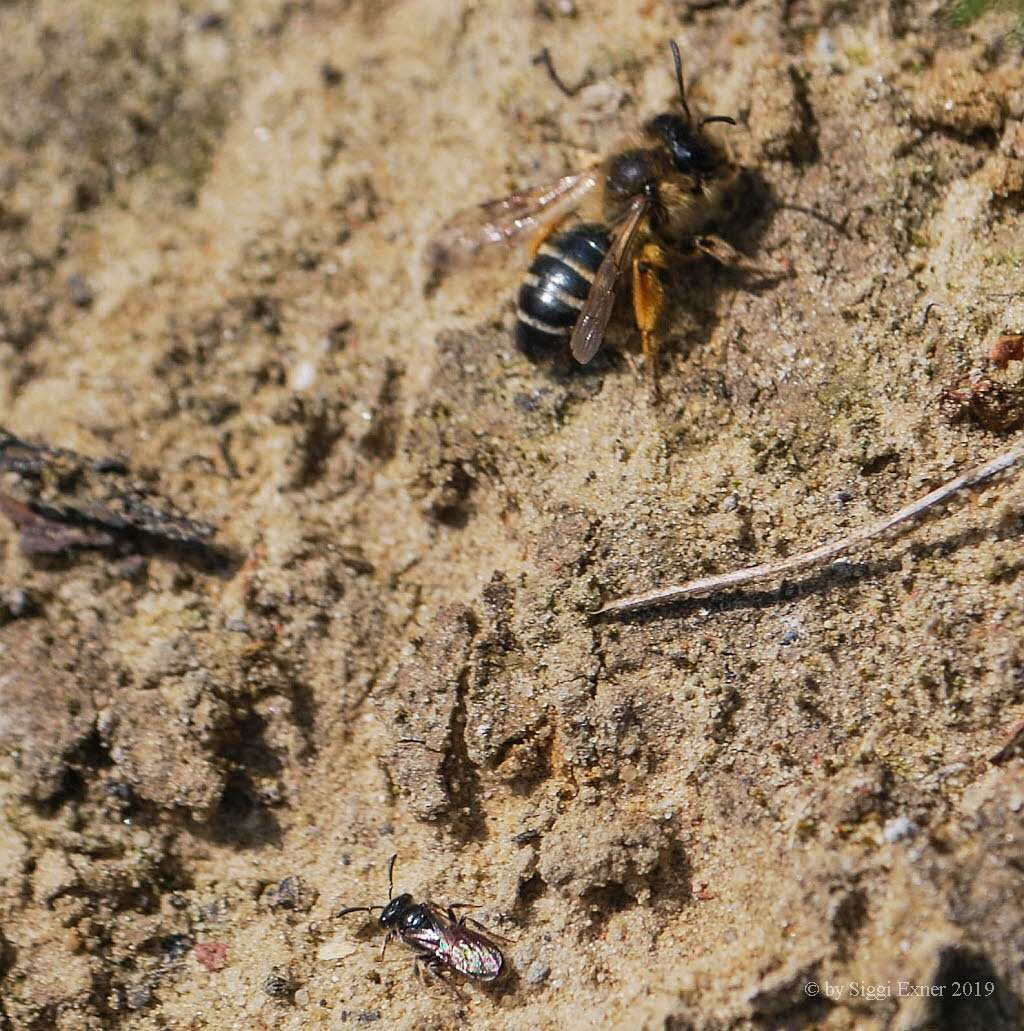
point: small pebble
(17, 602)
(537, 972)
(304, 376)
(139, 996)
(528, 402)
(330, 75)
(80, 292)
(176, 946)
(898, 829)
(291, 893)
(336, 948)
(302, 997)
(132, 568)
(213, 21)
(212, 955)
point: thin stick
(824, 553)
(544, 58)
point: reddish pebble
(212, 955)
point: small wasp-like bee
(654, 196)
(440, 939)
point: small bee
(654, 196)
(440, 939)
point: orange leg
(538, 240)
(649, 303)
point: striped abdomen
(556, 287)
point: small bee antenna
(716, 118)
(391, 877)
(679, 79)
(391, 892)
(357, 909)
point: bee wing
(460, 240)
(593, 320)
(473, 954)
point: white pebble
(336, 948)
(899, 828)
(304, 375)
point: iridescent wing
(593, 321)
(432, 939)
(470, 953)
(431, 928)
(461, 240)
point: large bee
(654, 197)
(439, 939)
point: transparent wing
(465, 235)
(593, 320)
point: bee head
(394, 910)
(692, 152)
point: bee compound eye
(629, 173)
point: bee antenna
(716, 118)
(391, 876)
(357, 909)
(679, 79)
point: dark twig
(544, 59)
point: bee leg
(431, 967)
(649, 303)
(461, 921)
(538, 240)
(421, 966)
(489, 931)
(460, 905)
(726, 254)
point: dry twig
(826, 552)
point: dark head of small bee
(401, 915)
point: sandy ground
(212, 222)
